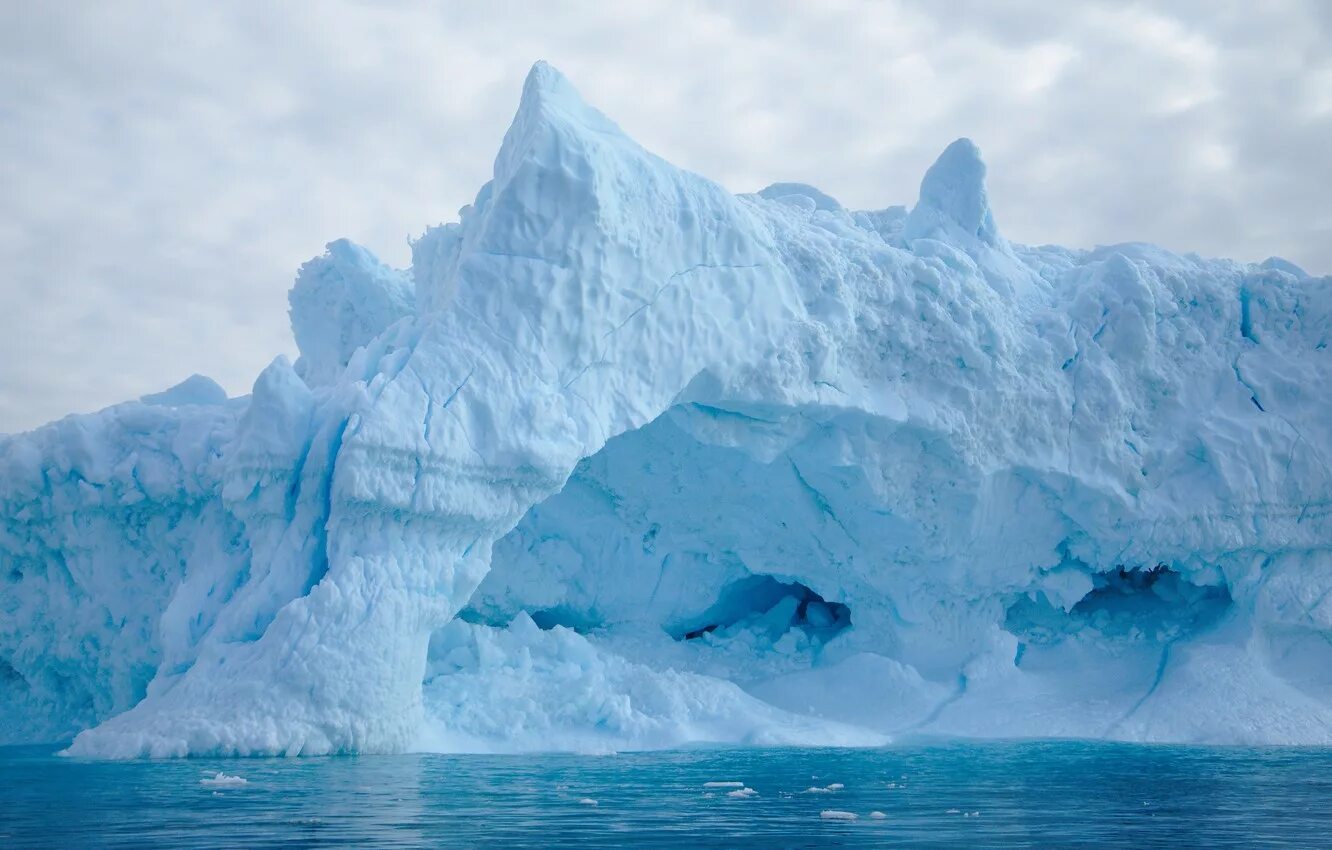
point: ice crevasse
(625, 460)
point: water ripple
(1028, 794)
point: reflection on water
(1038, 794)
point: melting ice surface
(626, 461)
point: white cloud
(167, 166)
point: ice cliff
(625, 460)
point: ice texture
(625, 460)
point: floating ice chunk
(814, 789)
(971, 814)
(877, 815)
(725, 784)
(835, 786)
(953, 812)
(837, 814)
(743, 793)
(588, 801)
(223, 780)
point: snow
(627, 461)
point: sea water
(1015, 794)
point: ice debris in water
(724, 784)
(836, 814)
(223, 780)
(877, 815)
(627, 461)
(588, 801)
(743, 793)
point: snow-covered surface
(625, 460)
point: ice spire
(953, 198)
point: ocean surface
(1027, 794)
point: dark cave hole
(765, 603)
(1154, 603)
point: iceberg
(625, 460)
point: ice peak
(543, 85)
(194, 390)
(952, 194)
(550, 109)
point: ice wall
(625, 460)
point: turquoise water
(1043, 794)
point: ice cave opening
(679, 532)
(775, 606)
(1155, 604)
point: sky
(165, 167)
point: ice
(194, 390)
(742, 793)
(223, 780)
(836, 814)
(588, 801)
(725, 784)
(876, 815)
(627, 461)
(341, 302)
(521, 688)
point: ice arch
(944, 420)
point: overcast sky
(166, 167)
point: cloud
(168, 166)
